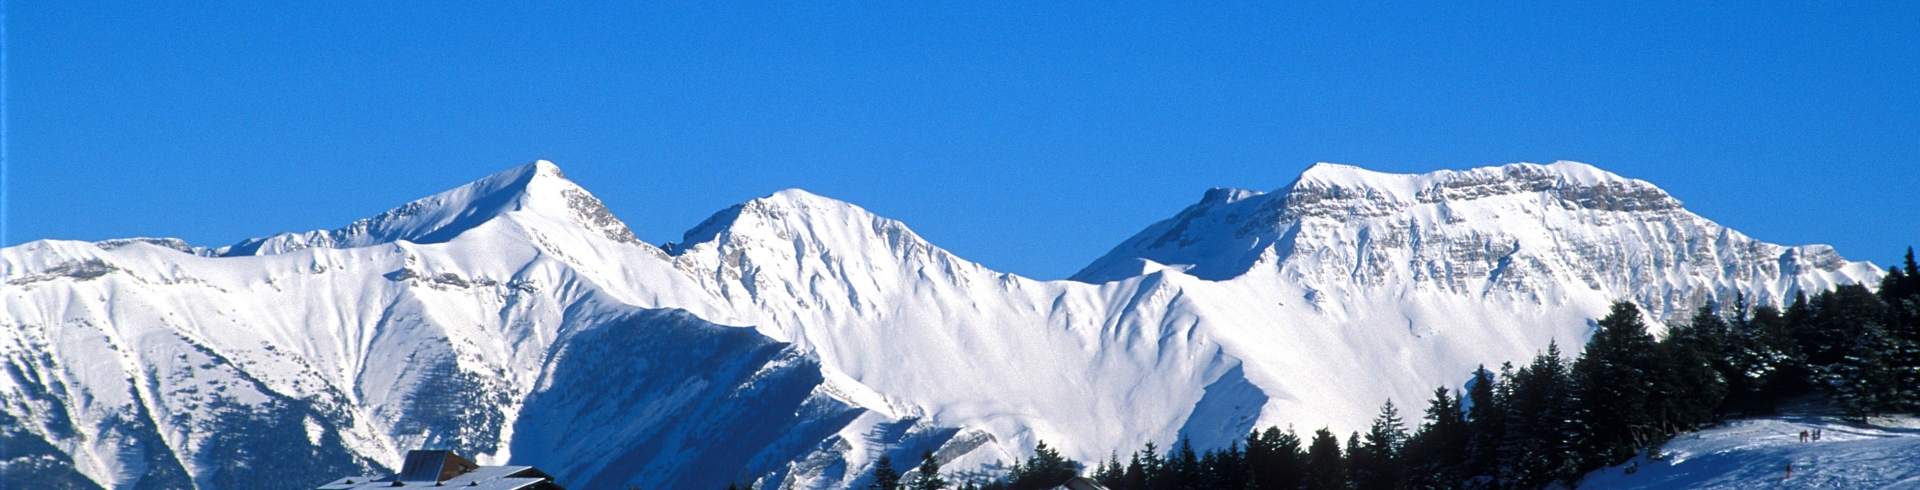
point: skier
(1789, 470)
(1816, 435)
(1803, 436)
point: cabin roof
(445, 469)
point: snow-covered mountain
(794, 339)
(1521, 232)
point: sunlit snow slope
(1753, 454)
(795, 338)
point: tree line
(1554, 419)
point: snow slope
(795, 338)
(1754, 454)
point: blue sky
(1029, 137)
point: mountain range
(792, 340)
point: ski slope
(1753, 454)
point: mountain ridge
(1242, 225)
(1237, 312)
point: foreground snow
(1754, 454)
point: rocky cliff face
(795, 339)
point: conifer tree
(1111, 473)
(1900, 290)
(1894, 289)
(1223, 468)
(1435, 453)
(1136, 475)
(1690, 383)
(1183, 465)
(1275, 460)
(1347, 462)
(928, 475)
(884, 476)
(1542, 430)
(1325, 470)
(1615, 386)
(1376, 463)
(1152, 467)
(1486, 424)
(1850, 351)
(1766, 361)
(1045, 469)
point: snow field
(1754, 454)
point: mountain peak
(1578, 184)
(782, 213)
(1228, 194)
(1564, 172)
(538, 186)
(1335, 171)
(1427, 222)
(795, 195)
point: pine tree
(1136, 475)
(1507, 450)
(1861, 382)
(1152, 468)
(1850, 352)
(1325, 470)
(1767, 363)
(1799, 319)
(1111, 474)
(1690, 384)
(1541, 433)
(1347, 462)
(1045, 469)
(1615, 386)
(1486, 424)
(884, 476)
(1903, 366)
(1172, 471)
(1376, 463)
(1275, 460)
(1223, 468)
(1436, 452)
(928, 476)
(1900, 290)
(1913, 270)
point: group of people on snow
(1813, 435)
(1805, 436)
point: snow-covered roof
(443, 468)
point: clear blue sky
(1028, 137)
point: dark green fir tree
(1325, 470)
(884, 476)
